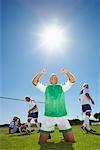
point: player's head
(86, 85)
(53, 79)
(15, 118)
(27, 98)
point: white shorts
(49, 123)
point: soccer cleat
(92, 130)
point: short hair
(27, 97)
(53, 74)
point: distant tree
(97, 116)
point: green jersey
(55, 101)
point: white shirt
(83, 98)
(31, 105)
(66, 86)
(14, 126)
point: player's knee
(69, 137)
(88, 113)
(43, 138)
(72, 140)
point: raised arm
(35, 80)
(71, 78)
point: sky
(22, 56)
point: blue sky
(21, 58)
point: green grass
(30, 142)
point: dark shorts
(33, 115)
(86, 107)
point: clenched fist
(64, 70)
(43, 71)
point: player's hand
(64, 70)
(43, 71)
(29, 112)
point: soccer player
(55, 109)
(33, 110)
(86, 102)
(13, 127)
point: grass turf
(30, 142)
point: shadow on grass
(23, 134)
(95, 133)
(56, 146)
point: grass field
(30, 142)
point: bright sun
(52, 37)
